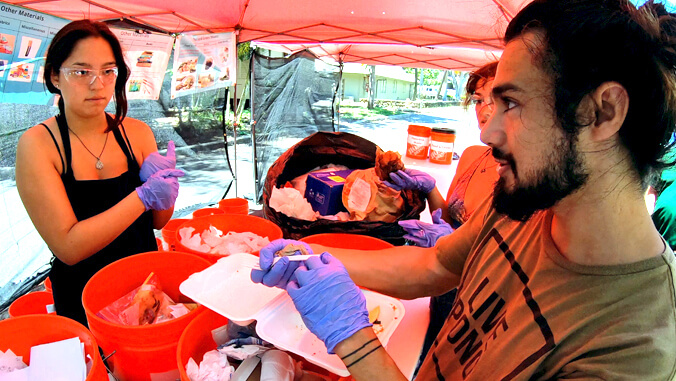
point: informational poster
(147, 55)
(24, 38)
(204, 62)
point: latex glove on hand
(159, 192)
(156, 162)
(331, 305)
(424, 234)
(279, 274)
(411, 179)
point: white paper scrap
(59, 361)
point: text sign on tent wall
(148, 57)
(204, 62)
(24, 38)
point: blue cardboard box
(324, 191)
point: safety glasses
(88, 76)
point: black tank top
(89, 198)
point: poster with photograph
(25, 35)
(147, 55)
(204, 62)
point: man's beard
(562, 175)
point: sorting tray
(226, 288)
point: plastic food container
(226, 288)
(442, 146)
(418, 142)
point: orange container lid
(419, 130)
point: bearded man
(561, 274)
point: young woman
(93, 186)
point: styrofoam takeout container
(226, 288)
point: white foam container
(226, 288)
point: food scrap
(386, 163)
(290, 250)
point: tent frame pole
(254, 159)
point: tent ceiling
(400, 55)
(476, 24)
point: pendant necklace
(99, 163)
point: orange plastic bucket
(32, 303)
(347, 241)
(228, 223)
(418, 142)
(169, 231)
(21, 333)
(206, 212)
(234, 205)
(48, 284)
(148, 352)
(197, 340)
(442, 146)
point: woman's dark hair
(62, 46)
(609, 40)
(484, 73)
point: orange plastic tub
(197, 340)
(32, 303)
(21, 333)
(48, 284)
(206, 212)
(442, 146)
(418, 141)
(142, 353)
(234, 205)
(169, 231)
(347, 241)
(228, 223)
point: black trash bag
(342, 148)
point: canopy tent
(396, 32)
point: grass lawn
(358, 112)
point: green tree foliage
(431, 76)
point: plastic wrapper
(146, 304)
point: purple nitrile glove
(331, 305)
(411, 179)
(156, 162)
(159, 192)
(424, 234)
(279, 274)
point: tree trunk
(372, 87)
(415, 87)
(443, 81)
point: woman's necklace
(99, 163)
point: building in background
(392, 82)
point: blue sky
(670, 4)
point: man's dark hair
(483, 73)
(62, 46)
(588, 42)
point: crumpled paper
(213, 367)
(10, 362)
(292, 203)
(213, 241)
